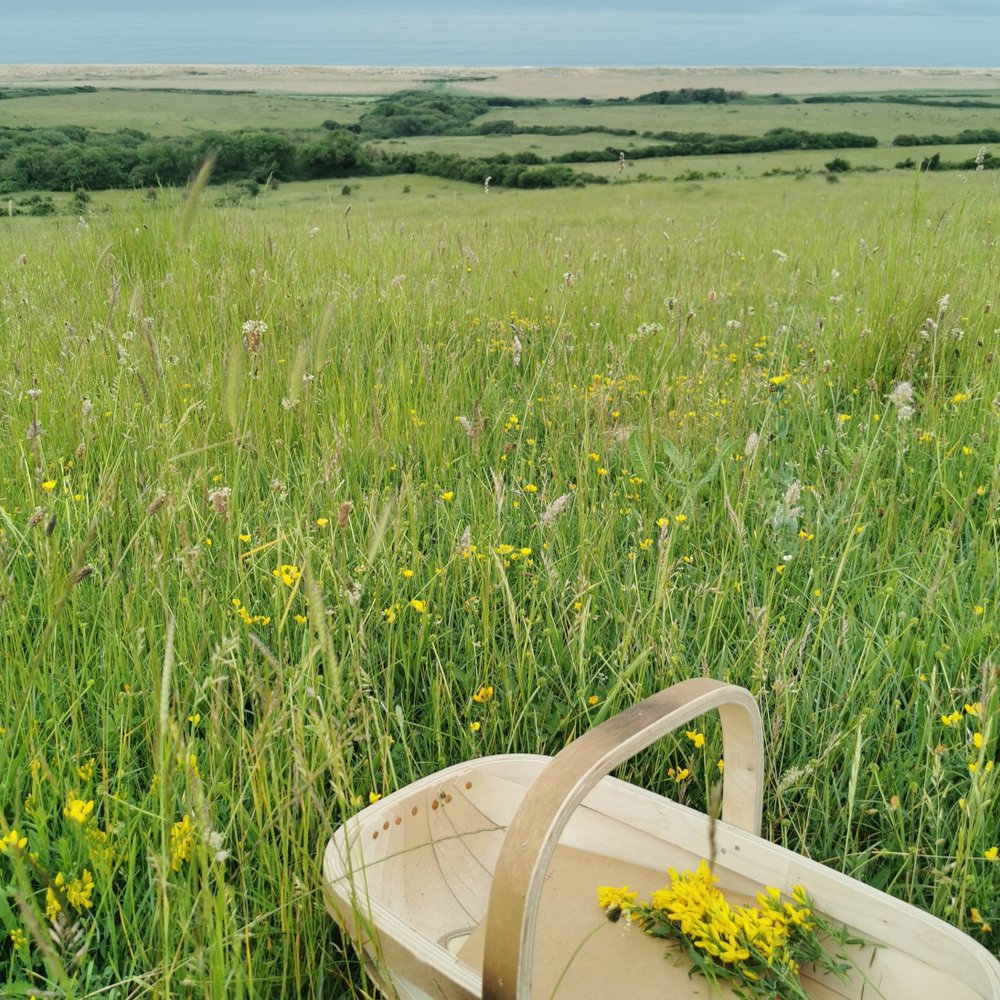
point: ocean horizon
(563, 33)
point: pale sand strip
(594, 83)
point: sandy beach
(554, 82)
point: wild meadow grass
(299, 505)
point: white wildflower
(902, 398)
(253, 334)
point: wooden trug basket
(480, 881)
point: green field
(885, 121)
(287, 485)
(167, 112)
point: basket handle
(534, 831)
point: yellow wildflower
(49, 485)
(79, 892)
(288, 574)
(181, 842)
(697, 738)
(322, 522)
(608, 896)
(78, 810)
(418, 605)
(12, 842)
(991, 853)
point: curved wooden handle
(546, 809)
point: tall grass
(253, 577)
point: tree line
(78, 159)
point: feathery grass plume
(296, 371)
(193, 199)
(81, 574)
(68, 938)
(554, 509)
(462, 547)
(786, 515)
(344, 512)
(157, 502)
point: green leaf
(642, 464)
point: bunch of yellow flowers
(758, 947)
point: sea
(493, 33)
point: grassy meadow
(166, 112)
(306, 498)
